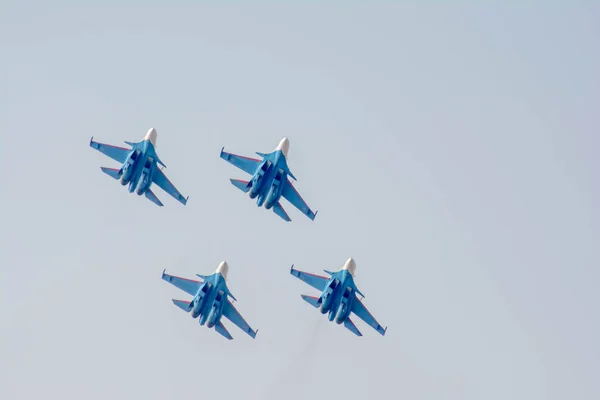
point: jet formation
(269, 181)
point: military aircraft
(211, 300)
(338, 296)
(139, 167)
(269, 180)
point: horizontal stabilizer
(219, 327)
(313, 301)
(277, 209)
(113, 172)
(242, 185)
(328, 272)
(351, 327)
(184, 305)
(152, 197)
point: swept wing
(291, 194)
(161, 180)
(232, 314)
(117, 153)
(316, 281)
(189, 286)
(361, 311)
(246, 164)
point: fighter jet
(269, 180)
(139, 167)
(338, 297)
(211, 300)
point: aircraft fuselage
(138, 168)
(267, 181)
(336, 299)
(208, 303)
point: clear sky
(450, 148)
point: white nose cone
(350, 266)
(223, 269)
(284, 146)
(151, 136)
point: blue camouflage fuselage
(266, 185)
(337, 297)
(208, 303)
(138, 168)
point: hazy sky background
(450, 148)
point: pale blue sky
(450, 148)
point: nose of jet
(284, 146)
(151, 136)
(223, 269)
(350, 266)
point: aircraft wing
(291, 194)
(247, 164)
(232, 314)
(316, 281)
(189, 286)
(361, 311)
(117, 153)
(165, 184)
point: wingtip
(163, 273)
